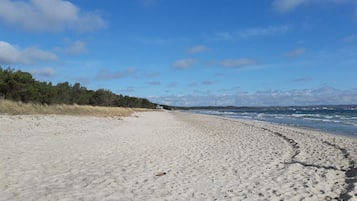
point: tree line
(21, 86)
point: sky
(189, 52)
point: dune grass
(18, 108)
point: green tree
(21, 86)
(103, 97)
(63, 93)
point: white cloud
(238, 63)
(197, 49)
(285, 6)
(106, 74)
(288, 5)
(184, 63)
(271, 30)
(10, 54)
(350, 38)
(162, 41)
(48, 15)
(264, 31)
(321, 96)
(45, 72)
(78, 47)
(225, 36)
(296, 53)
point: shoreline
(173, 156)
(307, 129)
(323, 123)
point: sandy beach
(171, 156)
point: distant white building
(159, 107)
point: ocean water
(333, 119)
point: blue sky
(189, 52)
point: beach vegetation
(20, 86)
(20, 108)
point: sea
(341, 120)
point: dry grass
(17, 108)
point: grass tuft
(18, 108)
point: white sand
(204, 158)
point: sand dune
(171, 156)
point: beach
(171, 156)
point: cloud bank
(184, 63)
(321, 96)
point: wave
(324, 118)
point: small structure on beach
(159, 107)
